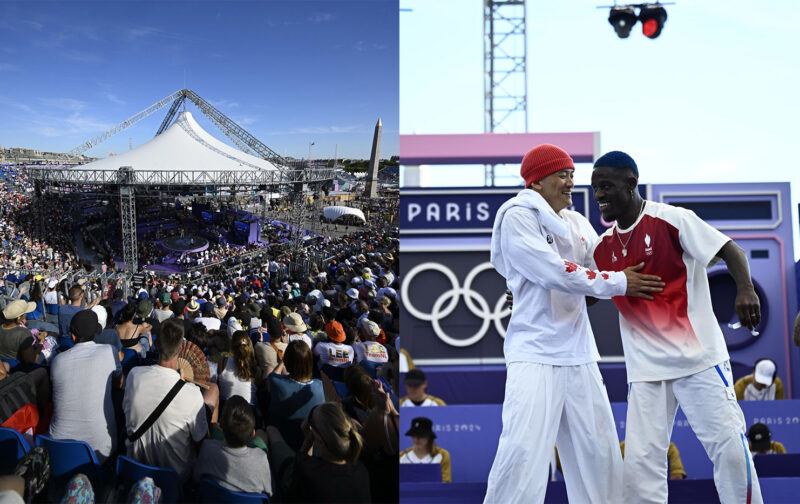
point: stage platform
(190, 243)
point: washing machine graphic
(758, 218)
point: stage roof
(184, 146)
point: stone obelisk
(371, 190)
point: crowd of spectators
(278, 373)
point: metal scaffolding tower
(505, 83)
(127, 211)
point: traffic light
(622, 19)
(653, 17)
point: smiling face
(556, 189)
(613, 191)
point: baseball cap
(144, 307)
(52, 283)
(84, 324)
(760, 437)
(102, 315)
(765, 371)
(165, 298)
(421, 427)
(220, 302)
(371, 328)
(415, 377)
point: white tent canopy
(184, 146)
(334, 212)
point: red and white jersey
(676, 334)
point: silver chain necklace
(625, 245)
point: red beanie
(543, 160)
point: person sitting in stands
(334, 352)
(761, 442)
(296, 328)
(762, 385)
(237, 375)
(17, 341)
(82, 379)
(131, 334)
(335, 475)
(165, 311)
(292, 396)
(416, 383)
(425, 450)
(232, 463)
(173, 438)
(269, 353)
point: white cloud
(322, 17)
(69, 104)
(114, 99)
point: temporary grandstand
(182, 159)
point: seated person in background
(82, 380)
(761, 442)
(359, 403)
(762, 385)
(425, 450)
(368, 348)
(415, 385)
(16, 341)
(232, 463)
(334, 352)
(292, 396)
(269, 353)
(296, 328)
(335, 475)
(237, 375)
(173, 439)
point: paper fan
(194, 364)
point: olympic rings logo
(476, 303)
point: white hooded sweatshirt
(541, 254)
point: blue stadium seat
(212, 492)
(370, 367)
(68, 458)
(130, 359)
(341, 389)
(167, 479)
(12, 448)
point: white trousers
(545, 405)
(709, 403)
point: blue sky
(713, 99)
(290, 72)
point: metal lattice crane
(102, 137)
(241, 137)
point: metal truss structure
(102, 137)
(128, 181)
(127, 212)
(505, 82)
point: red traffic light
(653, 17)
